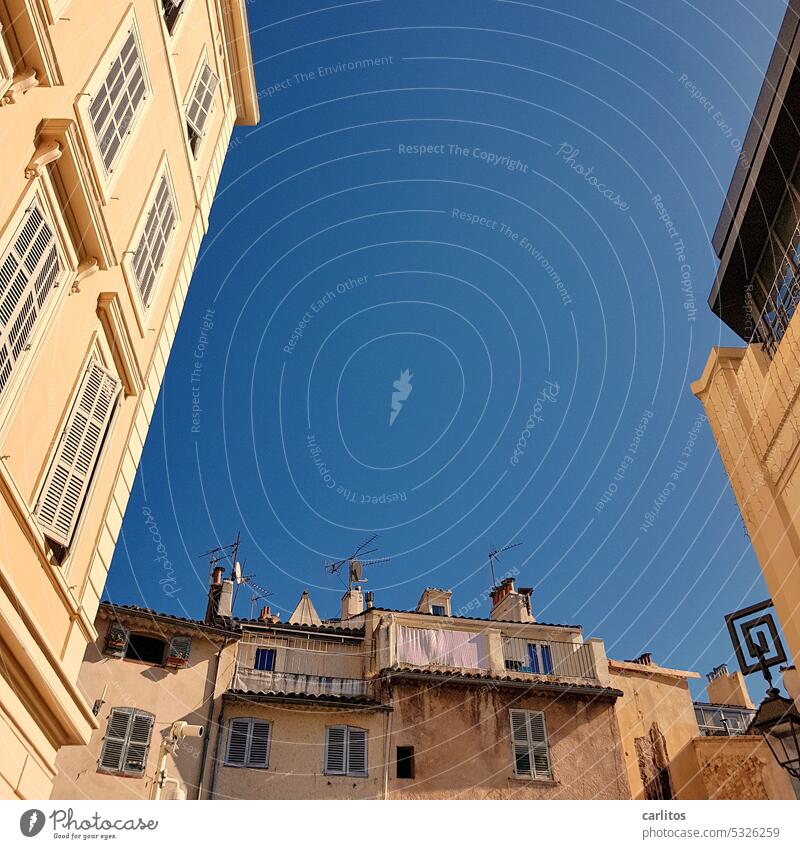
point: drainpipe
(388, 747)
(210, 720)
(220, 720)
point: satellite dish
(355, 571)
(237, 572)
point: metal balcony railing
(552, 658)
(781, 302)
(294, 683)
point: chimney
(645, 659)
(510, 604)
(370, 597)
(352, 603)
(214, 592)
(225, 606)
(717, 672)
(268, 617)
(726, 689)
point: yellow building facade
(115, 122)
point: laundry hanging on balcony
(434, 647)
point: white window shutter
(178, 651)
(77, 454)
(259, 744)
(335, 749)
(238, 734)
(356, 751)
(519, 742)
(540, 753)
(29, 272)
(115, 741)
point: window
(405, 761)
(145, 649)
(148, 257)
(126, 742)
(265, 660)
(172, 11)
(77, 454)
(529, 744)
(119, 99)
(248, 742)
(29, 272)
(534, 658)
(437, 609)
(200, 106)
(345, 750)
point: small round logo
(31, 822)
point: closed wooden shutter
(151, 250)
(356, 751)
(259, 744)
(116, 640)
(335, 749)
(138, 743)
(116, 739)
(30, 269)
(529, 744)
(202, 101)
(178, 652)
(238, 732)
(77, 454)
(519, 742)
(540, 753)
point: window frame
(132, 635)
(195, 149)
(140, 309)
(271, 655)
(532, 746)
(347, 771)
(181, 17)
(250, 720)
(106, 179)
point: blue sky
(513, 202)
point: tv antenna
(228, 553)
(356, 562)
(494, 555)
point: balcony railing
(781, 302)
(722, 720)
(294, 683)
(559, 659)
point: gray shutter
(116, 640)
(77, 454)
(138, 743)
(29, 272)
(519, 742)
(335, 746)
(202, 101)
(114, 743)
(238, 733)
(259, 743)
(356, 751)
(149, 255)
(540, 753)
(179, 649)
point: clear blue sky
(523, 273)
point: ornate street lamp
(778, 722)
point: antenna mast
(494, 555)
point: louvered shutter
(70, 473)
(202, 100)
(116, 739)
(116, 640)
(519, 742)
(29, 272)
(540, 753)
(178, 652)
(335, 746)
(259, 744)
(356, 751)
(237, 742)
(149, 255)
(138, 743)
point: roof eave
(240, 59)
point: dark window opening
(405, 761)
(194, 139)
(146, 649)
(172, 11)
(437, 609)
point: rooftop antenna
(356, 563)
(494, 555)
(225, 552)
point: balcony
(551, 658)
(722, 720)
(300, 684)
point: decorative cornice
(112, 317)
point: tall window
(248, 742)
(265, 660)
(529, 744)
(126, 742)
(29, 272)
(121, 95)
(201, 106)
(77, 454)
(172, 11)
(345, 750)
(150, 252)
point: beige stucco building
(114, 125)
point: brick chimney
(214, 593)
(510, 604)
(268, 617)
